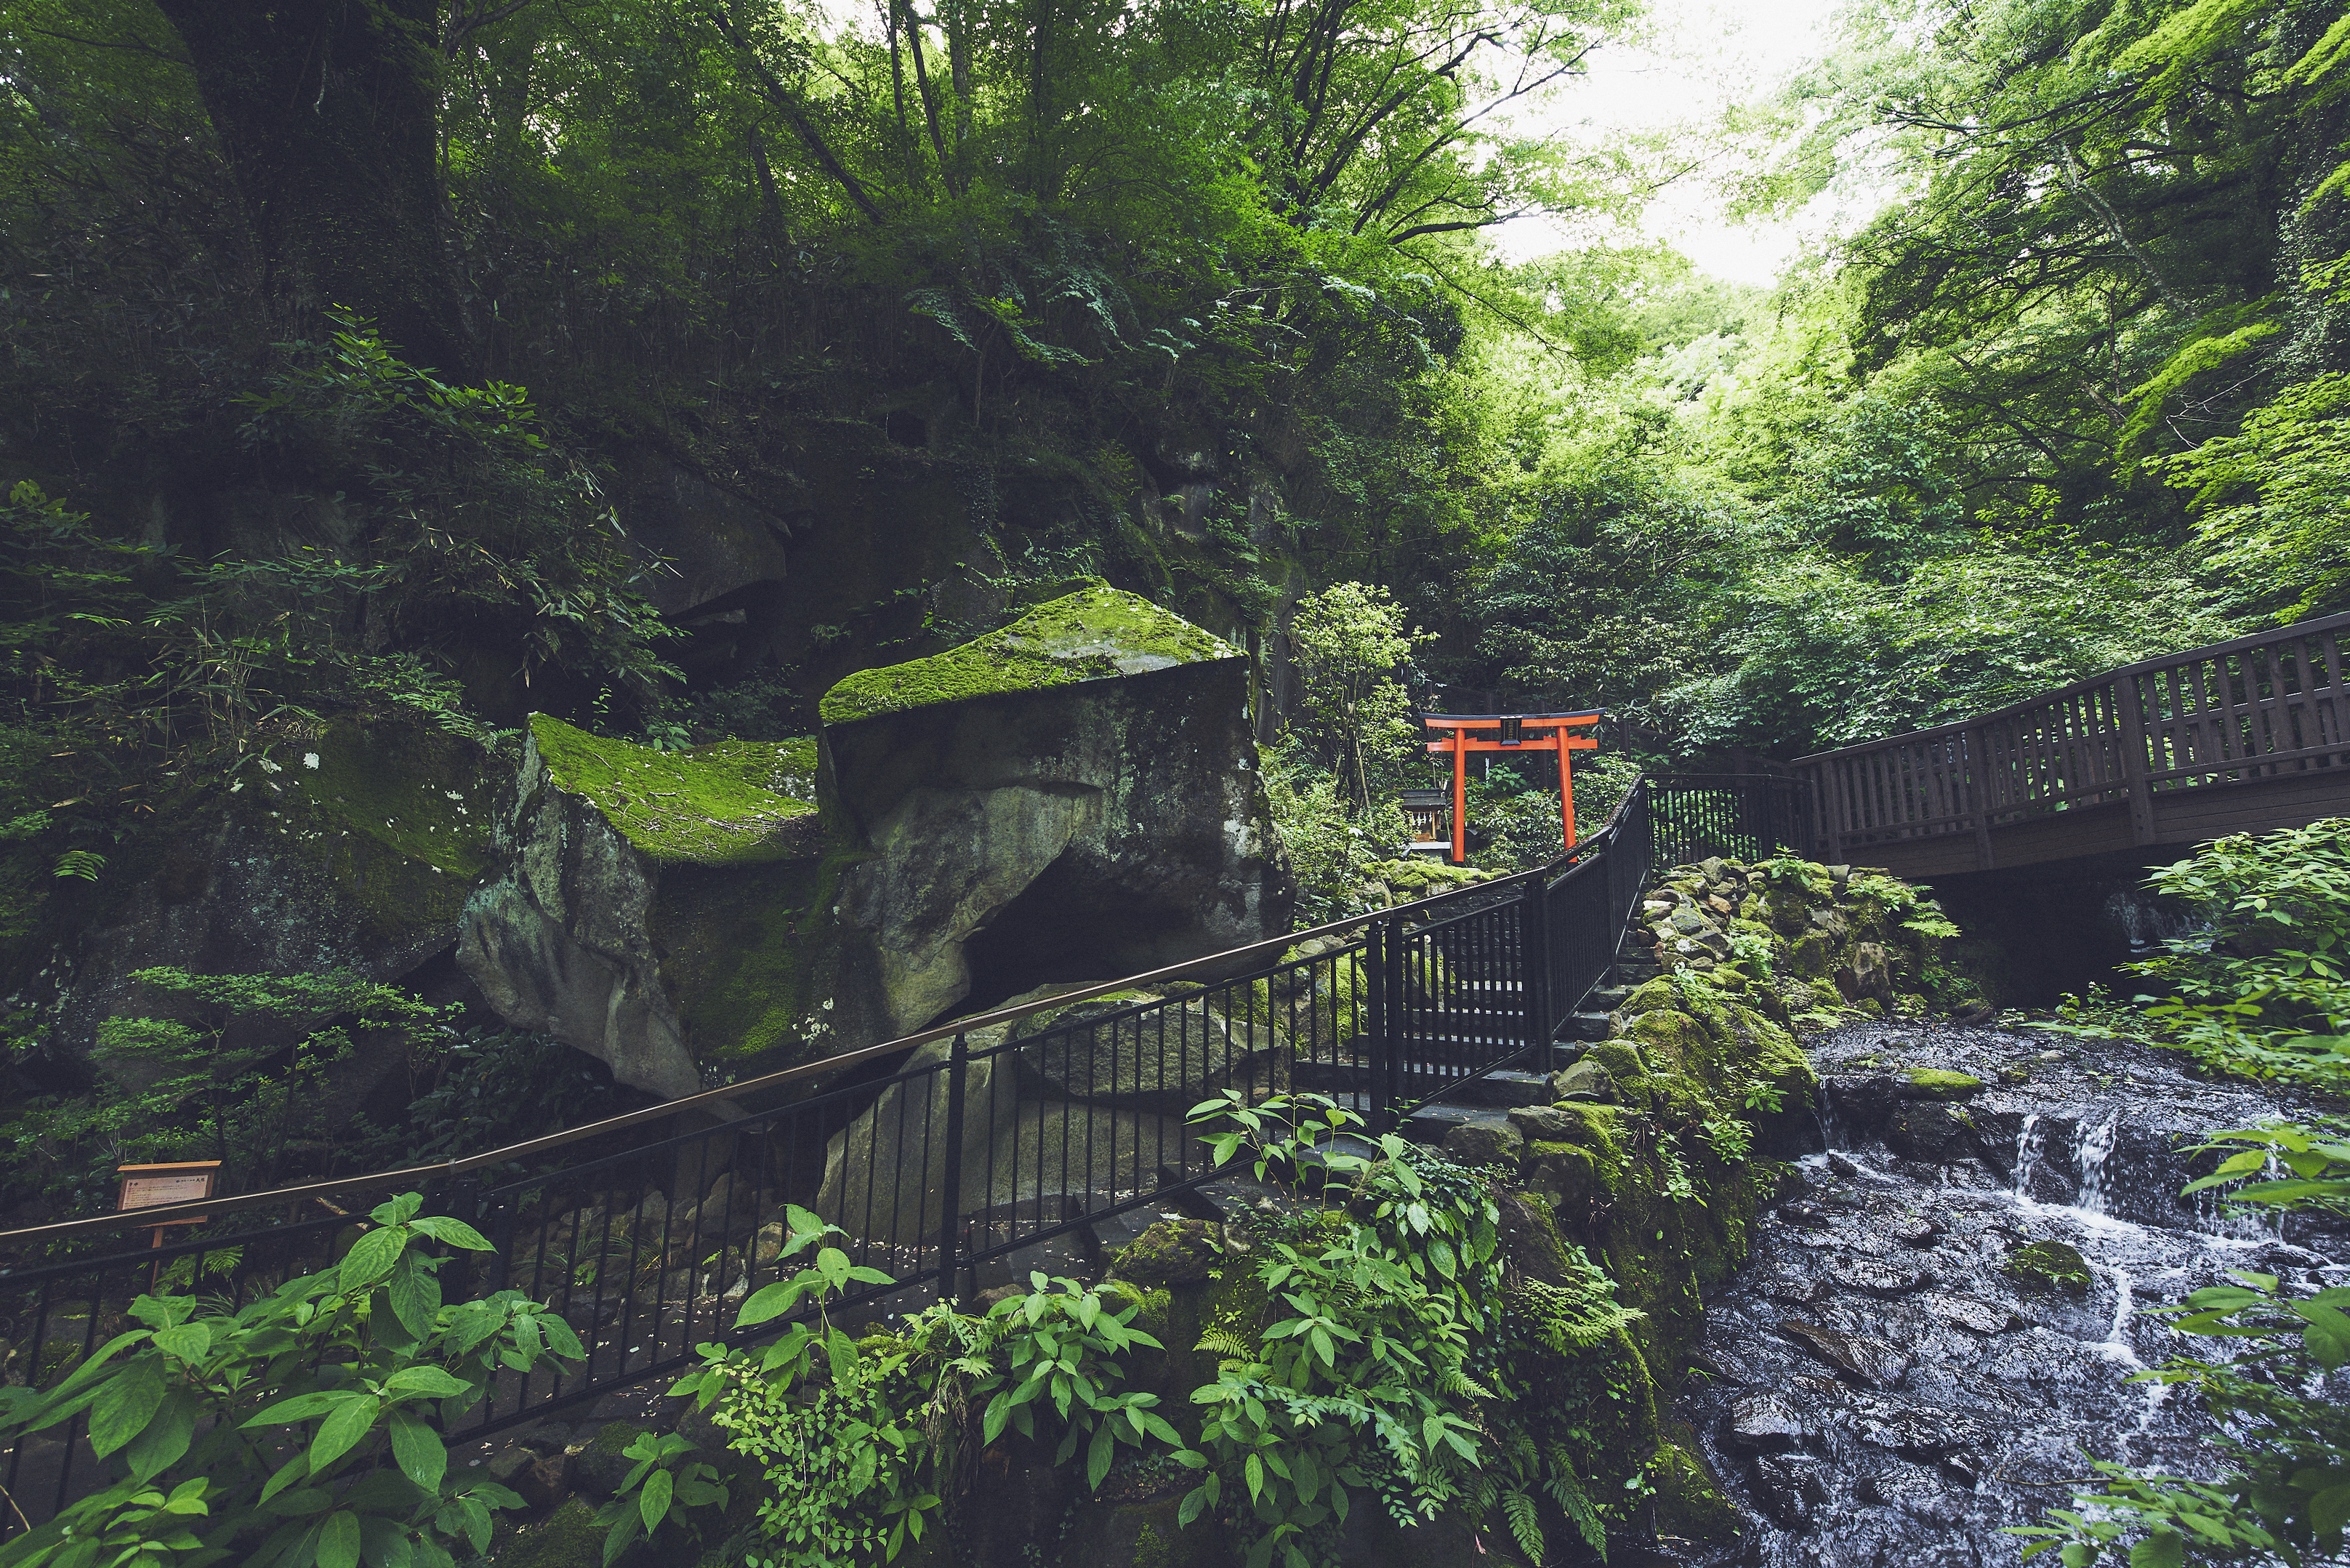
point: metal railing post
(463, 1202)
(1533, 961)
(1379, 1036)
(951, 1180)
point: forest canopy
(658, 364)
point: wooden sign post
(152, 1186)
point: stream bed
(1907, 1365)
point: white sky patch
(1702, 57)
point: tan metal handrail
(717, 1100)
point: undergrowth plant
(306, 1429)
(1381, 1366)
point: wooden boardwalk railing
(2242, 736)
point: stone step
(1428, 1124)
(1591, 1027)
(1607, 998)
(1509, 1087)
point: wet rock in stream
(1937, 1329)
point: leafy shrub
(307, 1430)
(1382, 1366)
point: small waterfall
(2027, 1153)
(2089, 1158)
(2148, 922)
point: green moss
(567, 1538)
(717, 805)
(748, 947)
(2050, 1265)
(1935, 1084)
(1688, 1501)
(1098, 635)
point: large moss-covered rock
(1075, 796)
(350, 846)
(663, 911)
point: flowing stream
(1897, 1376)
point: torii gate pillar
(1510, 733)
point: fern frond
(1226, 1345)
(1567, 1491)
(1525, 1527)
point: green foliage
(859, 1441)
(2266, 990)
(306, 1429)
(1333, 850)
(229, 1071)
(1349, 642)
(662, 1485)
(1363, 1377)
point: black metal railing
(994, 1145)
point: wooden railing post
(1978, 792)
(2134, 759)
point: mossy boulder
(665, 911)
(1096, 633)
(567, 1538)
(1075, 796)
(1937, 1084)
(1689, 1503)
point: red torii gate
(1510, 733)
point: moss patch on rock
(1936, 1084)
(2050, 1266)
(722, 805)
(1096, 635)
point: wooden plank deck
(2240, 737)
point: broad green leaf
(187, 1342)
(770, 1301)
(653, 1502)
(418, 1450)
(454, 1233)
(301, 1408)
(165, 1438)
(126, 1405)
(338, 1540)
(345, 1426)
(429, 1381)
(415, 1295)
(2163, 1548)
(369, 1259)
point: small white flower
(236, 786)
(310, 761)
(268, 767)
(452, 795)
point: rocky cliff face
(342, 846)
(1072, 798)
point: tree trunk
(326, 110)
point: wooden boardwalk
(2240, 737)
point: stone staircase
(1482, 1099)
